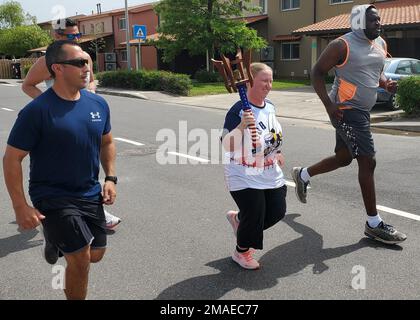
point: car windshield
(404, 67)
(416, 67)
(387, 63)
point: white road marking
(399, 212)
(288, 183)
(129, 141)
(8, 85)
(293, 185)
(189, 157)
(7, 109)
(379, 207)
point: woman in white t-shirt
(253, 173)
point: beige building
(298, 30)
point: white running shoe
(111, 220)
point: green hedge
(147, 80)
(408, 96)
(25, 69)
(204, 76)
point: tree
(96, 46)
(12, 15)
(201, 26)
(17, 41)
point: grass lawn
(200, 89)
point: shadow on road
(282, 261)
(19, 242)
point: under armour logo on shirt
(95, 115)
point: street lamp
(127, 35)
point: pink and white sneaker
(232, 217)
(246, 260)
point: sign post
(140, 33)
(127, 37)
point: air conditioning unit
(267, 54)
(110, 66)
(110, 57)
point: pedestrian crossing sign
(140, 32)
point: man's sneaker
(384, 233)
(50, 252)
(232, 217)
(111, 220)
(301, 186)
(245, 260)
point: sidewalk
(299, 103)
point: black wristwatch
(111, 178)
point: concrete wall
(285, 22)
(94, 25)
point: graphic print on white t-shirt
(261, 170)
(269, 140)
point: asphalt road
(175, 242)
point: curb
(122, 94)
(378, 122)
(380, 119)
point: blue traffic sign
(139, 32)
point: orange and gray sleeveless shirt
(357, 78)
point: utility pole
(127, 35)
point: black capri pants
(258, 211)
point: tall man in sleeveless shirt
(358, 58)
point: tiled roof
(392, 13)
(75, 18)
(83, 39)
(286, 37)
(154, 36)
(132, 9)
(253, 19)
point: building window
(100, 27)
(263, 6)
(340, 1)
(92, 29)
(124, 56)
(83, 29)
(290, 51)
(290, 4)
(121, 23)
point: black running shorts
(353, 133)
(72, 224)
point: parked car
(396, 69)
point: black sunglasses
(80, 63)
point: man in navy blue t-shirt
(67, 133)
